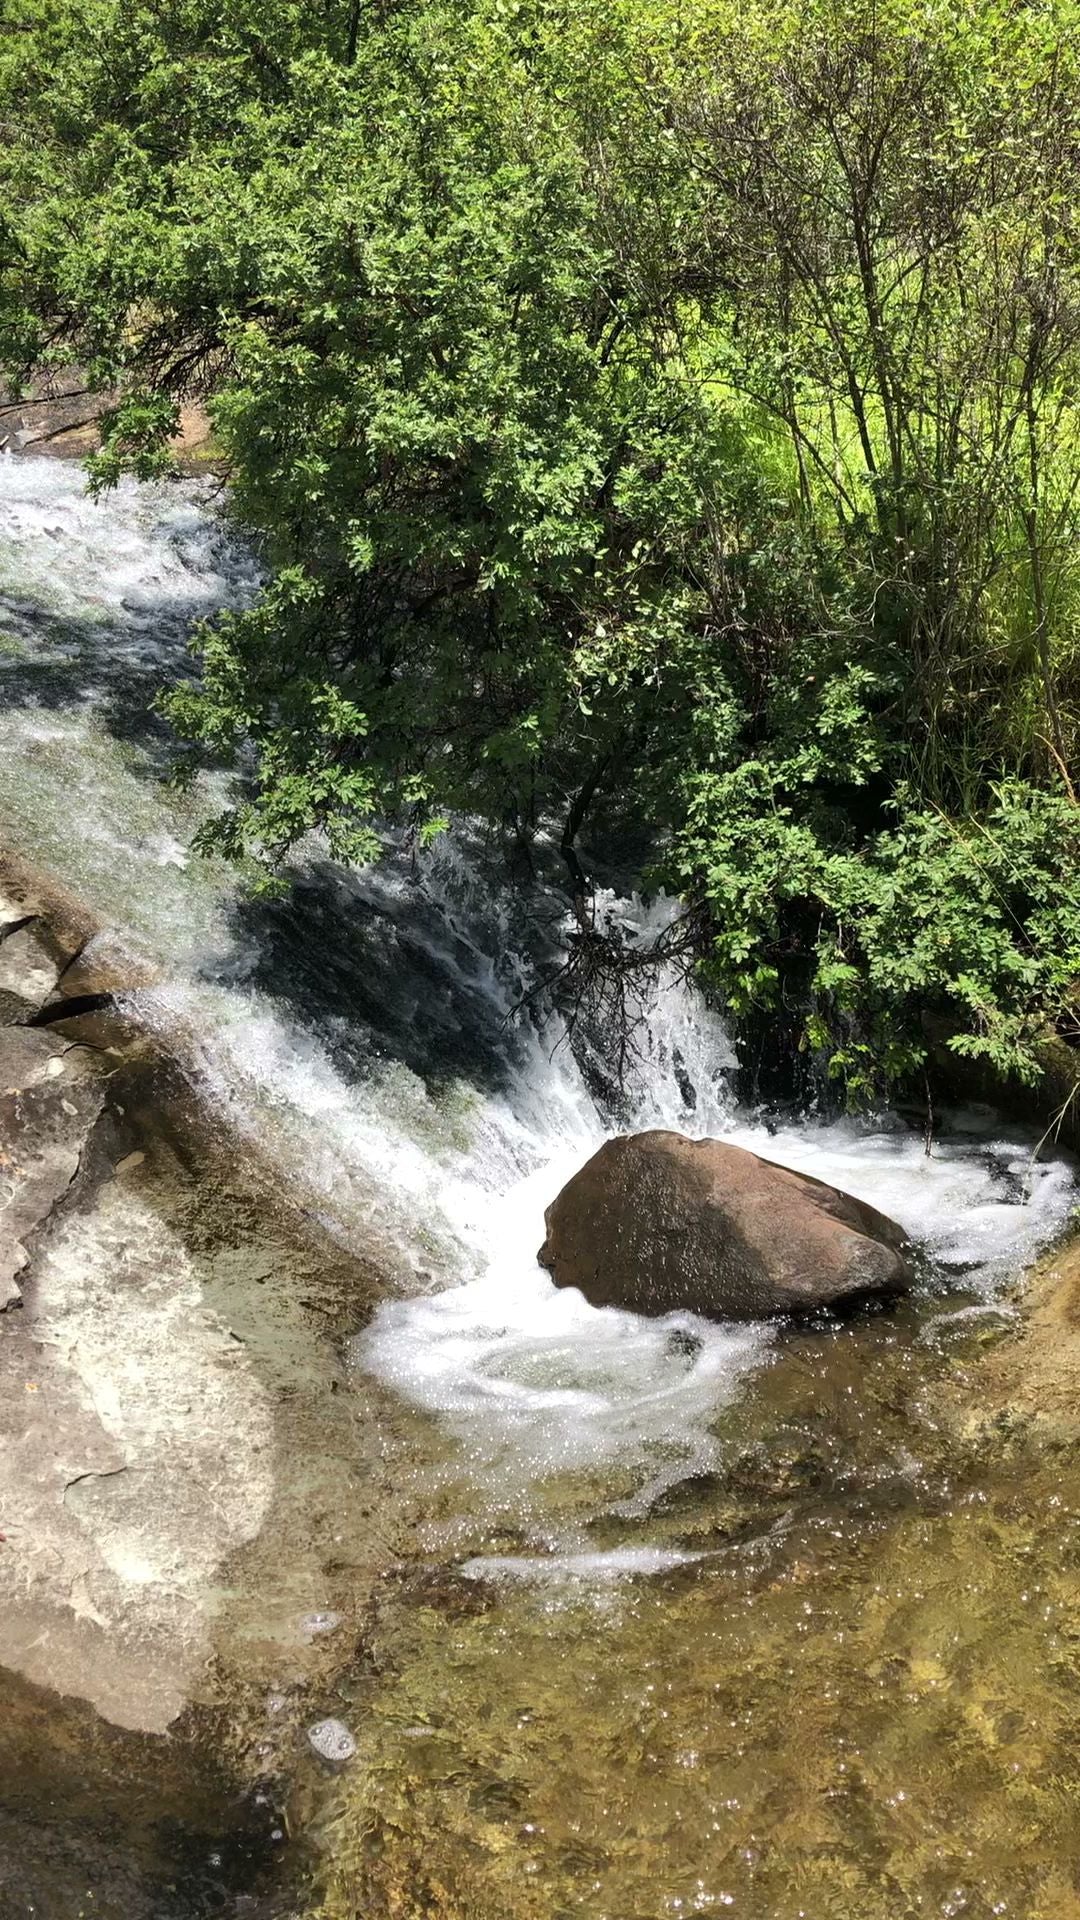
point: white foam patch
(592, 1569)
(125, 558)
(535, 1381)
(981, 1206)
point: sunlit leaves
(658, 410)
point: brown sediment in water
(97, 1821)
(859, 1705)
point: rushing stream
(698, 1616)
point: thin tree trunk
(354, 34)
(1040, 634)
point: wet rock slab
(52, 1095)
(52, 1090)
(36, 947)
(165, 1376)
(135, 1455)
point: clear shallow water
(865, 1714)
(362, 1037)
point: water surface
(693, 1616)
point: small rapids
(364, 1034)
(688, 1616)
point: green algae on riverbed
(868, 1708)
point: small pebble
(331, 1740)
(313, 1623)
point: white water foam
(142, 562)
(537, 1382)
(554, 1569)
(364, 1037)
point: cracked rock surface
(52, 1090)
(51, 1098)
(134, 1448)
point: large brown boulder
(658, 1224)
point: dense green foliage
(650, 410)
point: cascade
(366, 1034)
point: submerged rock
(312, 1624)
(331, 1740)
(657, 1223)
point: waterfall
(366, 1035)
